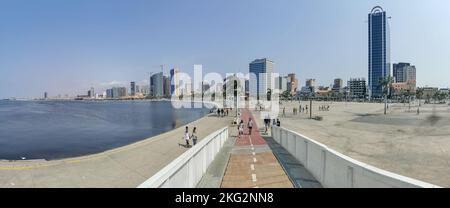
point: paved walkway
(127, 166)
(252, 163)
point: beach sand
(417, 146)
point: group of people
(295, 111)
(241, 127)
(221, 112)
(192, 136)
(324, 108)
(275, 122)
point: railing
(188, 169)
(335, 170)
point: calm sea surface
(55, 130)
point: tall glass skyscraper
(379, 51)
(260, 77)
(156, 85)
(174, 82)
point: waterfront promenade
(123, 167)
(255, 161)
(402, 141)
(252, 163)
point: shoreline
(110, 151)
(126, 166)
(114, 149)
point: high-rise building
(310, 83)
(292, 83)
(338, 85)
(137, 89)
(281, 83)
(91, 93)
(109, 93)
(260, 77)
(404, 72)
(379, 50)
(247, 86)
(45, 95)
(166, 86)
(404, 77)
(116, 92)
(174, 82)
(357, 88)
(133, 88)
(156, 85)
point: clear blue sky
(64, 47)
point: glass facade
(260, 77)
(379, 51)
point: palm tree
(419, 94)
(286, 95)
(385, 83)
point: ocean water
(55, 130)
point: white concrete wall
(335, 170)
(187, 170)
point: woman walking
(241, 128)
(186, 137)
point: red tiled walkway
(252, 163)
(255, 137)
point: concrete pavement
(127, 166)
(252, 163)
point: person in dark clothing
(194, 136)
(250, 126)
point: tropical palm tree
(286, 95)
(419, 95)
(386, 84)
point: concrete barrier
(335, 170)
(188, 169)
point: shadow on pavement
(297, 173)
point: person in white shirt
(241, 128)
(186, 137)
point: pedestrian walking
(241, 128)
(267, 123)
(250, 126)
(186, 137)
(194, 136)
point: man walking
(250, 126)
(194, 136)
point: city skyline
(115, 42)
